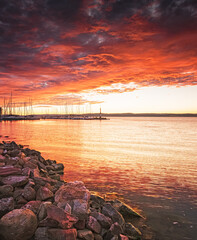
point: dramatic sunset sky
(122, 55)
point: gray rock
(111, 212)
(41, 234)
(15, 181)
(85, 234)
(105, 222)
(43, 210)
(80, 208)
(124, 209)
(18, 224)
(6, 205)
(93, 224)
(130, 230)
(6, 191)
(97, 237)
(29, 193)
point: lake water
(150, 163)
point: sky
(121, 55)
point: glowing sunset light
(126, 56)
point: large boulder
(77, 196)
(19, 224)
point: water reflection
(147, 161)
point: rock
(80, 208)
(68, 208)
(104, 221)
(29, 193)
(62, 234)
(6, 205)
(85, 234)
(75, 194)
(55, 177)
(34, 206)
(41, 234)
(43, 193)
(26, 171)
(65, 220)
(111, 212)
(2, 158)
(130, 230)
(9, 170)
(123, 237)
(43, 210)
(124, 209)
(93, 224)
(50, 223)
(30, 165)
(97, 199)
(15, 181)
(58, 166)
(6, 191)
(19, 224)
(97, 237)
(80, 225)
(116, 229)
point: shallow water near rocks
(150, 163)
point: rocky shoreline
(35, 204)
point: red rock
(43, 193)
(65, 220)
(123, 237)
(9, 170)
(62, 234)
(85, 234)
(93, 225)
(15, 181)
(29, 193)
(34, 206)
(72, 191)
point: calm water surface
(151, 163)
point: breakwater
(36, 204)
